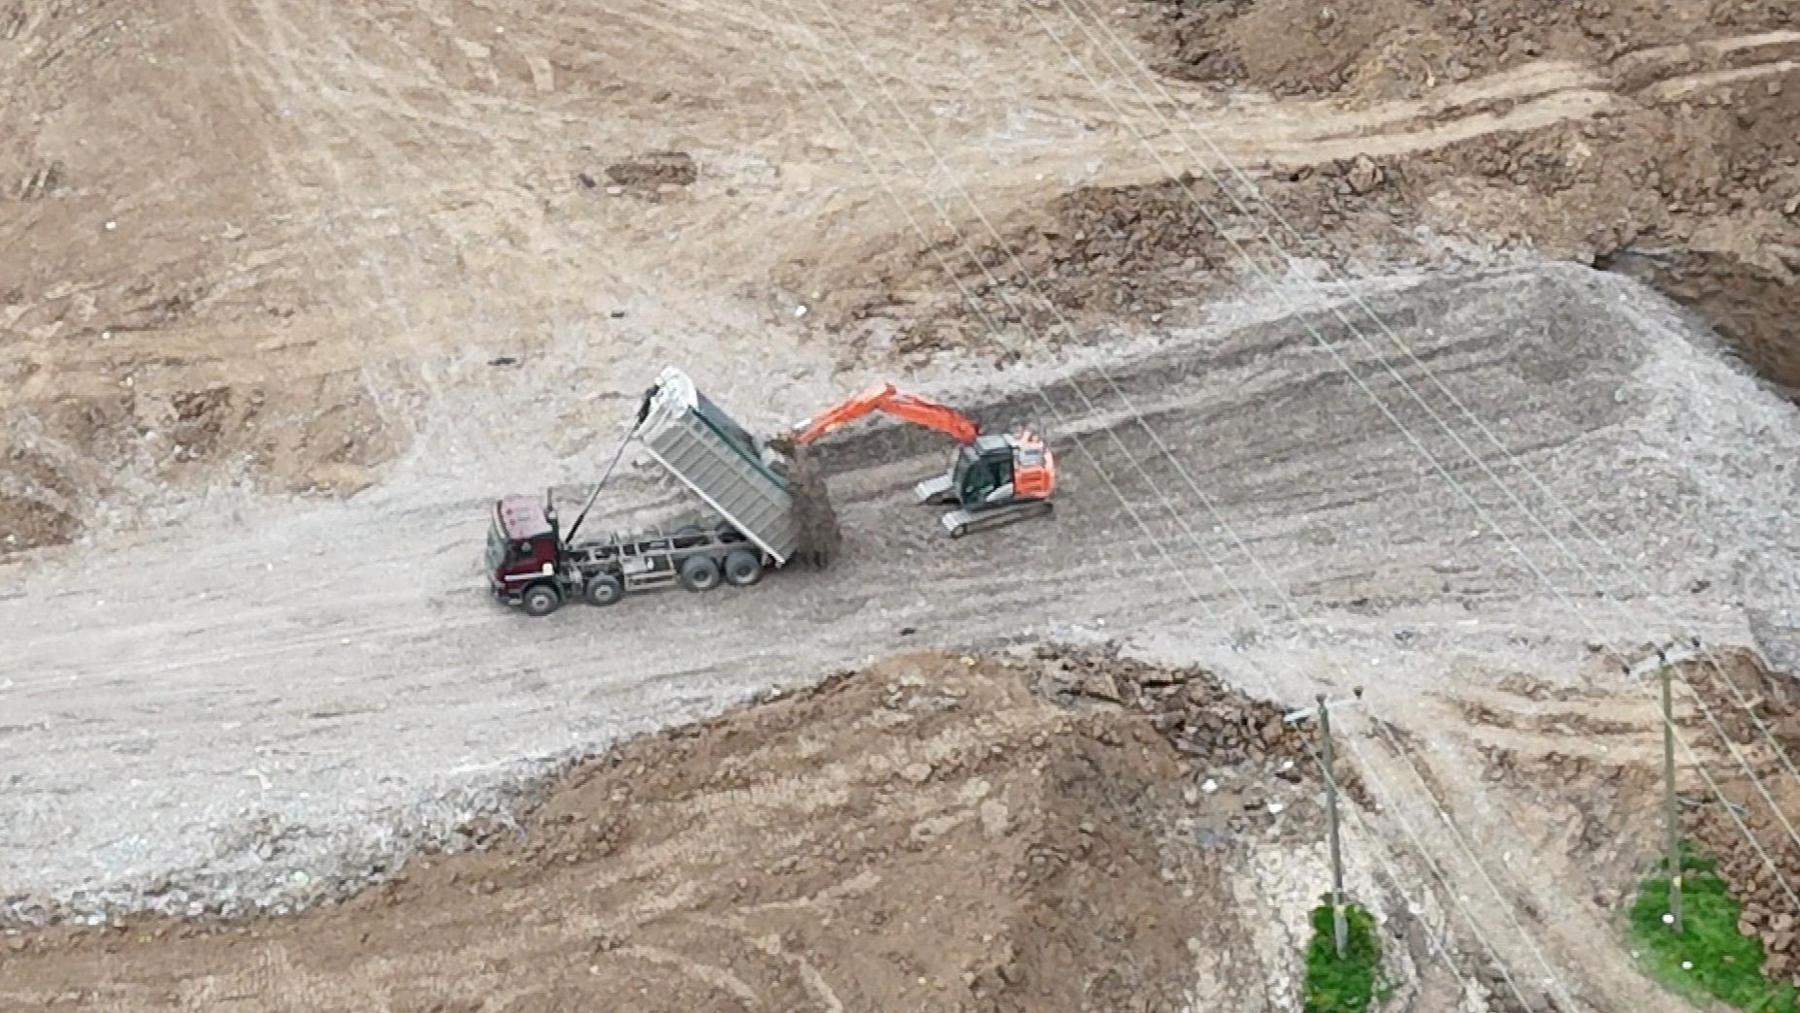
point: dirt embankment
(1400, 48)
(1144, 255)
(1595, 763)
(381, 202)
(1665, 146)
(933, 833)
(1688, 177)
(263, 246)
(1762, 718)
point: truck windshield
(496, 547)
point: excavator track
(958, 523)
(936, 491)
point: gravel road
(263, 710)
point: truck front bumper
(502, 593)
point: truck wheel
(699, 573)
(689, 531)
(604, 590)
(541, 600)
(742, 567)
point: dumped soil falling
(819, 532)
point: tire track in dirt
(1528, 97)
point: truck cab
(524, 552)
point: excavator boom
(886, 398)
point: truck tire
(699, 573)
(541, 600)
(604, 589)
(743, 567)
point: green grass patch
(1350, 984)
(1710, 957)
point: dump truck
(533, 564)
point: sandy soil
(293, 290)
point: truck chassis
(603, 572)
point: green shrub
(1351, 984)
(1710, 956)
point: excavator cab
(996, 470)
(983, 473)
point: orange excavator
(995, 478)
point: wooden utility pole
(1669, 806)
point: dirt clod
(654, 173)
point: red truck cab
(523, 554)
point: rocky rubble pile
(1759, 885)
(1135, 253)
(1760, 889)
(1750, 703)
(1139, 250)
(1200, 716)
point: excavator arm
(889, 400)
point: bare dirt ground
(291, 290)
(931, 833)
(1655, 139)
(273, 748)
(1046, 829)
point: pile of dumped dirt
(75, 461)
(36, 502)
(1701, 200)
(933, 833)
(1194, 711)
(31, 523)
(652, 175)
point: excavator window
(979, 475)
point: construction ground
(1443, 351)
